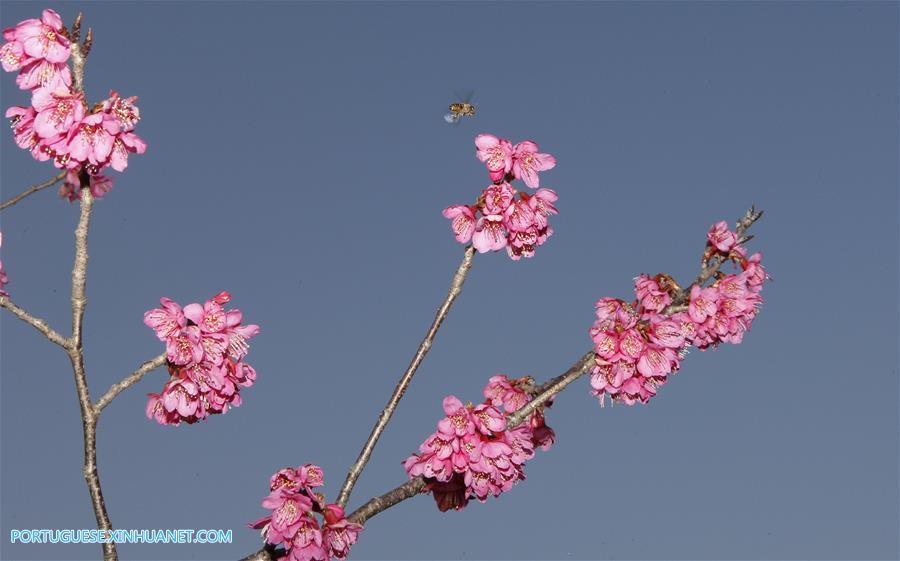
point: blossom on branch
(473, 454)
(506, 162)
(205, 348)
(58, 124)
(637, 345)
(293, 524)
(39, 49)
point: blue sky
(298, 159)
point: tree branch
(35, 322)
(33, 189)
(119, 387)
(76, 355)
(386, 413)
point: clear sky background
(297, 158)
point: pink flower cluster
(57, 125)
(503, 217)
(474, 453)
(506, 162)
(637, 345)
(293, 524)
(499, 220)
(205, 346)
(3, 278)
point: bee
(460, 109)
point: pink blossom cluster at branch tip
(503, 217)
(205, 348)
(506, 161)
(293, 523)
(637, 345)
(3, 278)
(57, 125)
(473, 454)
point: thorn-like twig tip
(88, 42)
(76, 28)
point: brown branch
(550, 388)
(33, 189)
(119, 387)
(414, 486)
(386, 413)
(35, 322)
(79, 57)
(89, 416)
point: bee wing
(451, 118)
(465, 96)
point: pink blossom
(462, 221)
(703, 303)
(527, 162)
(721, 237)
(44, 74)
(338, 534)
(496, 153)
(12, 54)
(121, 111)
(307, 543)
(166, 321)
(57, 111)
(496, 199)
(43, 38)
(22, 123)
(89, 143)
(651, 296)
(124, 144)
(490, 235)
(288, 513)
(184, 347)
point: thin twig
(33, 189)
(386, 413)
(35, 322)
(415, 485)
(119, 387)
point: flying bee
(461, 108)
(458, 111)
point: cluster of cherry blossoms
(639, 344)
(3, 278)
(503, 217)
(293, 524)
(474, 454)
(58, 125)
(205, 346)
